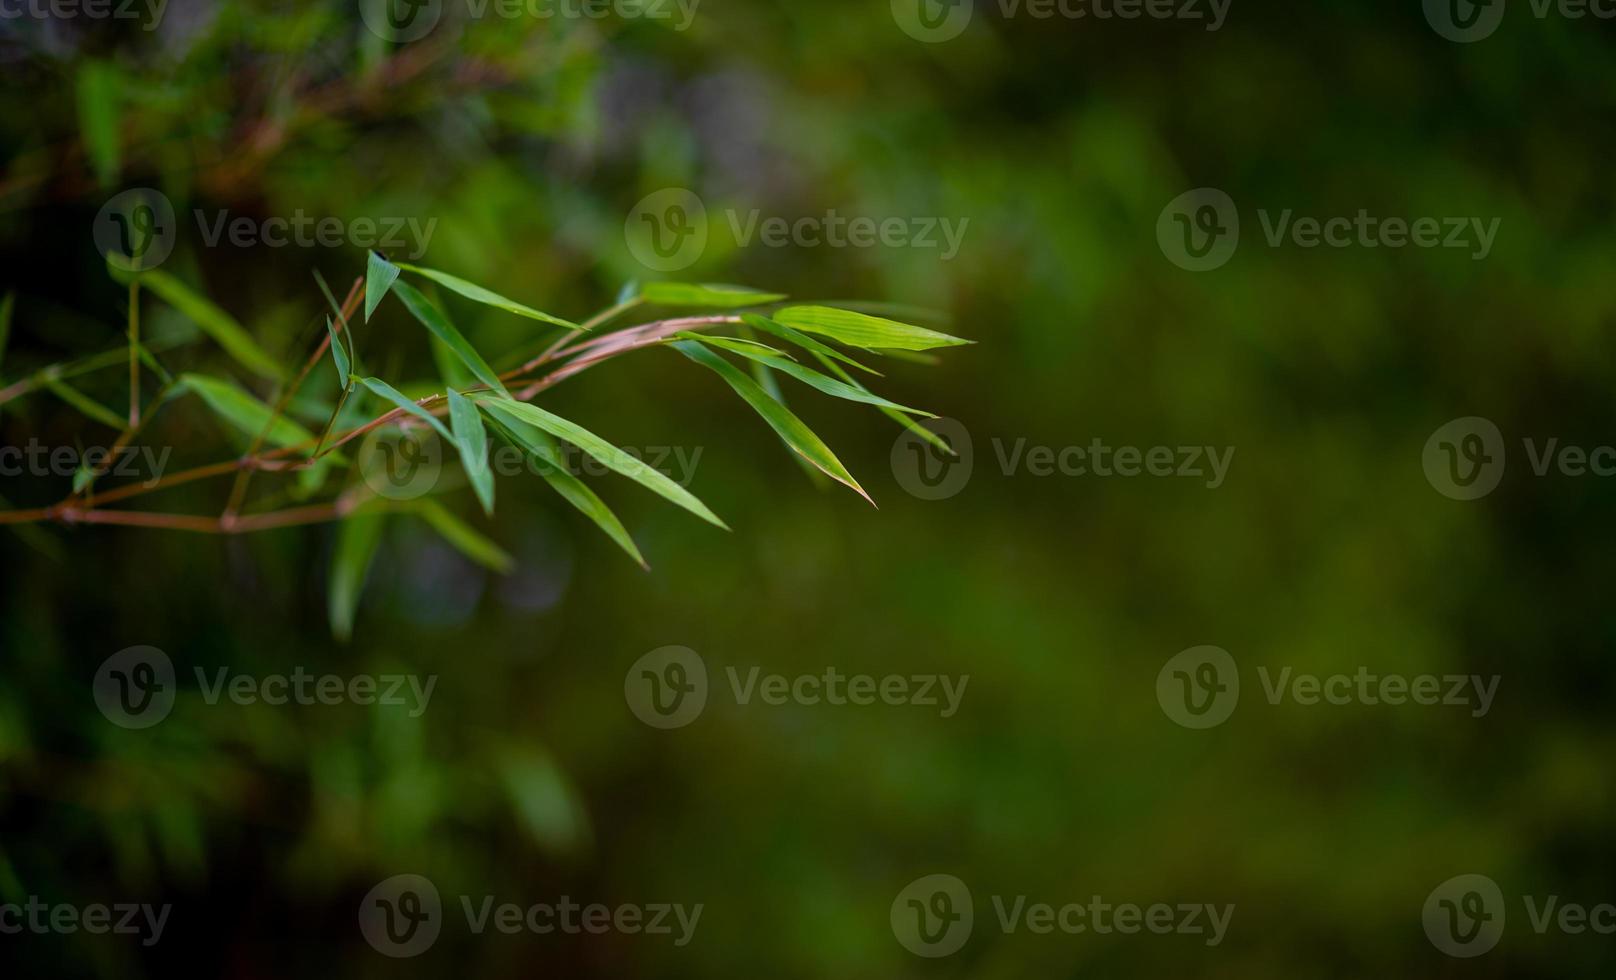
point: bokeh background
(530, 141)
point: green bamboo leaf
(925, 434)
(802, 340)
(807, 375)
(86, 405)
(770, 384)
(240, 409)
(472, 440)
(790, 428)
(609, 455)
(357, 539)
(408, 404)
(380, 275)
(465, 539)
(213, 321)
(487, 297)
(862, 330)
(98, 86)
(574, 491)
(433, 319)
(718, 296)
(339, 354)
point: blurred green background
(530, 141)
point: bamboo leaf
(380, 275)
(574, 491)
(790, 428)
(487, 297)
(472, 440)
(718, 296)
(86, 405)
(357, 539)
(212, 320)
(862, 330)
(339, 354)
(240, 409)
(609, 455)
(925, 434)
(98, 87)
(807, 375)
(408, 404)
(802, 340)
(433, 319)
(466, 540)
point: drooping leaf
(99, 83)
(465, 539)
(408, 404)
(212, 320)
(574, 491)
(862, 330)
(717, 296)
(433, 319)
(380, 275)
(487, 297)
(790, 428)
(357, 539)
(246, 413)
(807, 375)
(771, 385)
(86, 405)
(339, 354)
(609, 455)
(925, 434)
(472, 440)
(763, 323)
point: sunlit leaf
(472, 440)
(807, 375)
(552, 468)
(862, 330)
(433, 319)
(357, 539)
(763, 323)
(408, 404)
(464, 538)
(711, 295)
(925, 434)
(487, 297)
(609, 455)
(339, 354)
(790, 428)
